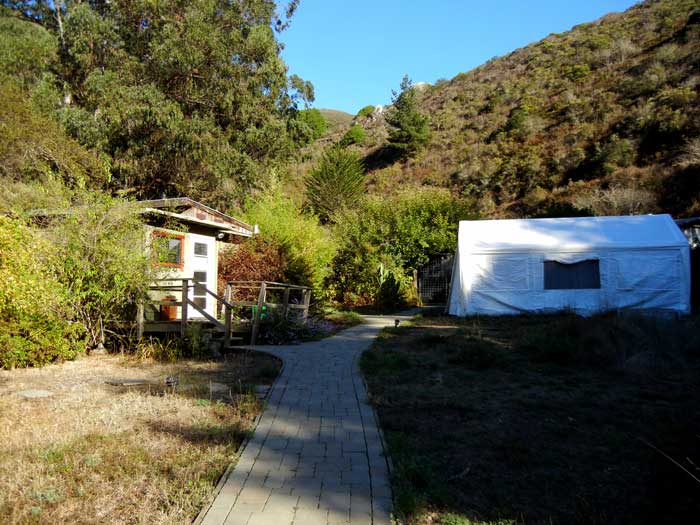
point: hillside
(602, 119)
(336, 119)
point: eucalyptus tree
(183, 96)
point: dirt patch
(540, 420)
(138, 453)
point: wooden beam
(183, 321)
(285, 301)
(306, 302)
(228, 314)
(213, 320)
(140, 318)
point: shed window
(200, 248)
(170, 248)
(200, 289)
(200, 284)
(580, 275)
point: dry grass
(540, 420)
(96, 453)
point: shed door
(204, 274)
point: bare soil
(96, 453)
(540, 420)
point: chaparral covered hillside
(603, 119)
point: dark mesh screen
(577, 276)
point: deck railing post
(258, 312)
(139, 320)
(228, 313)
(285, 302)
(307, 301)
(183, 310)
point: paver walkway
(316, 456)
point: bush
(355, 135)
(36, 325)
(314, 119)
(386, 238)
(517, 118)
(104, 262)
(577, 72)
(365, 112)
(277, 329)
(98, 246)
(255, 259)
(308, 248)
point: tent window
(577, 276)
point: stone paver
(34, 394)
(316, 456)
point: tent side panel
(502, 284)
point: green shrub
(308, 247)
(615, 153)
(383, 240)
(103, 260)
(355, 135)
(365, 111)
(517, 118)
(577, 72)
(315, 120)
(36, 322)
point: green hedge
(35, 320)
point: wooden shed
(190, 235)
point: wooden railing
(262, 288)
(237, 297)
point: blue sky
(355, 52)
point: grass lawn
(541, 420)
(97, 453)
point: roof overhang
(177, 202)
(222, 228)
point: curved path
(316, 456)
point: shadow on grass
(223, 434)
(540, 419)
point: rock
(33, 394)
(219, 387)
(99, 350)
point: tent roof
(570, 234)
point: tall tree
(335, 183)
(185, 97)
(408, 127)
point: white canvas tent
(586, 264)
